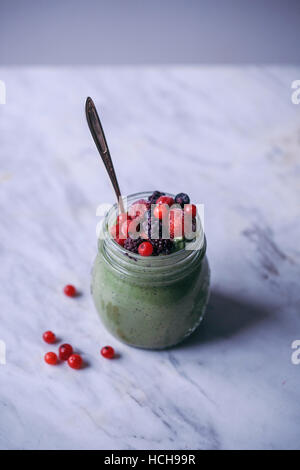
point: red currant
(120, 241)
(75, 361)
(165, 200)
(51, 358)
(65, 351)
(108, 352)
(176, 223)
(161, 211)
(122, 218)
(138, 208)
(145, 249)
(190, 209)
(125, 229)
(49, 337)
(70, 290)
(114, 230)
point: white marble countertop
(231, 138)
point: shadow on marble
(226, 317)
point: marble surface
(230, 136)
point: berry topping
(75, 361)
(108, 352)
(165, 200)
(145, 249)
(125, 228)
(158, 224)
(132, 244)
(162, 246)
(176, 223)
(190, 209)
(161, 211)
(182, 199)
(49, 337)
(154, 196)
(152, 227)
(138, 208)
(122, 217)
(114, 230)
(51, 358)
(120, 241)
(65, 351)
(70, 290)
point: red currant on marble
(65, 351)
(75, 361)
(145, 249)
(108, 352)
(51, 358)
(49, 337)
(70, 290)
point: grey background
(71, 32)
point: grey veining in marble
(231, 137)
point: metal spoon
(101, 144)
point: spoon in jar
(101, 144)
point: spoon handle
(96, 129)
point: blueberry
(182, 199)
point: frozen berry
(114, 230)
(145, 249)
(70, 290)
(51, 358)
(190, 209)
(165, 200)
(65, 351)
(144, 236)
(162, 246)
(152, 226)
(176, 223)
(49, 337)
(132, 244)
(138, 208)
(125, 228)
(154, 196)
(182, 199)
(122, 217)
(75, 361)
(120, 241)
(161, 211)
(108, 352)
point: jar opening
(127, 263)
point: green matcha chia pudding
(146, 301)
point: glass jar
(150, 302)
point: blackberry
(182, 199)
(132, 244)
(151, 225)
(191, 235)
(154, 196)
(162, 246)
